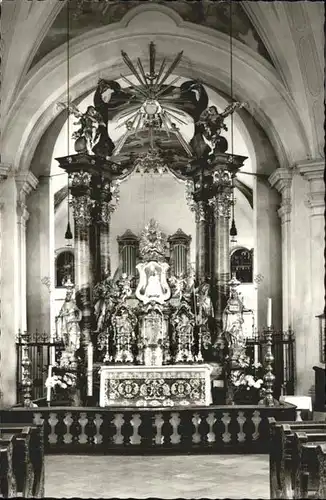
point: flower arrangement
(68, 380)
(63, 379)
(249, 377)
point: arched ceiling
(85, 16)
(28, 104)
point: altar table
(154, 386)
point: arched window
(242, 264)
(64, 266)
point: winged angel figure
(89, 123)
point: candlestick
(269, 312)
(48, 390)
(90, 369)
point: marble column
(82, 210)
(25, 182)
(201, 250)
(221, 204)
(9, 287)
(281, 179)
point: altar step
(211, 429)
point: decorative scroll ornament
(222, 178)
(80, 179)
(153, 243)
(150, 162)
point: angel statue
(209, 127)
(67, 323)
(89, 132)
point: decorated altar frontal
(150, 386)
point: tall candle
(269, 312)
(48, 389)
(90, 369)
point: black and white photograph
(162, 249)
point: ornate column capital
(5, 169)
(313, 172)
(221, 204)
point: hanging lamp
(233, 229)
(68, 233)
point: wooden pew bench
(8, 487)
(282, 453)
(28, 458)
(307, 472)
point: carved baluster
(175, 421)
(158, 424)
(67, 437)
(53, 421)
(241, 419)
(256, 421)
(26, 371)
(211, 436)
(196, 437)
(135, 422)
(118, 422)
(226, 419)
(98, 421)
(83, 420)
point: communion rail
(212, 429)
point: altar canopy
(148, 326)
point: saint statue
(67, 323)
(233, 320)
(204, 304)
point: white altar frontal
(154, 386)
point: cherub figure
(89, 122)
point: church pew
(280, 456)
(306, 472)
(7, 477)
(21, 463)
(29, 458)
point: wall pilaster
(281, 179)
(313, 267)
(9, 289)
(25, 182)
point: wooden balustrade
(219, 429)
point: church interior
(162, 228)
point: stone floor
(195, 476)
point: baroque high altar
(154, 339)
